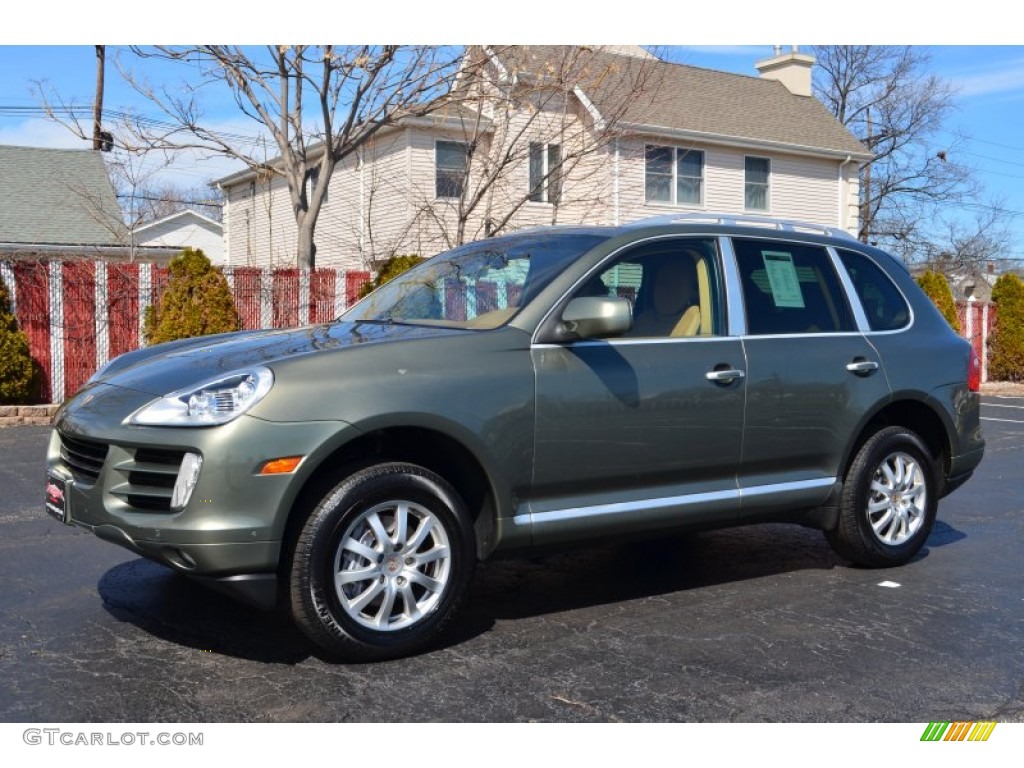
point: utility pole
(865, 208)
(97, 108)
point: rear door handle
(726, 376)
(862, 367)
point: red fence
(977, 322)
(77, 315)
(80, 314)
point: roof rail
(743, 220)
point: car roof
(724, 222)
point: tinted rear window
(884, 305)
(790, 288)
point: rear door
(811, 374)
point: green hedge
(197, 302)
(19, 374)
(1006, 345)
(936, 286)
(389, 270)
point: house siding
(262, 227)
(180, 233)
(800, 187)
(383, 202)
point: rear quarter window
(884, 305)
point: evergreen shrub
(19, 378)
(1006, 344)
(197, 302)
(936, 286)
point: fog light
(188, 476)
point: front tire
(381, 565)
(889, 500)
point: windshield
(481, 285)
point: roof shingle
(650, 94)
(58, 197)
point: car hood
(169, 367)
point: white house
(567, 134)
(184, 229)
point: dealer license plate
(57, 497)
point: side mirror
(592, 317)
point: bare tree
(318, 104)
(164, 198)
(965, 245)
(887, 99)
(524, 123)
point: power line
(994, 159)
(997, 144)
(179, 201)
(85, 113)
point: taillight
(974, 372)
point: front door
(643, 430)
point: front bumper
(119, 481)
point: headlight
(216, 401)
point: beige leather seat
(669, 309)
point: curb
(40, 415)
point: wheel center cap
(393, 565)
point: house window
(755, 189)
(312, 180)
(452, 168)
(674, 175)
(545, 172)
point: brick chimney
(792, 69)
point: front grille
(83, 457)
(147, 479)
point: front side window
(452, 168)
(545, 172)
(674, 175)
(790, 288)
(757, 171)
(672, 285)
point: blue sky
(989, 81)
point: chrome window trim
(622, 342)
(852, 297)
(831, 334)
(735, 308)
(597, 510)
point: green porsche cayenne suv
(541, 389)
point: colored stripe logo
(960, 731)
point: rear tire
(382, 563)
(889, 500)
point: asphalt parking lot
(755, 624)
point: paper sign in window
(782, 279)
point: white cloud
(729, 50)
(1006, 77)
(39, 132)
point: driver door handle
(725, 376)
(862, 367)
